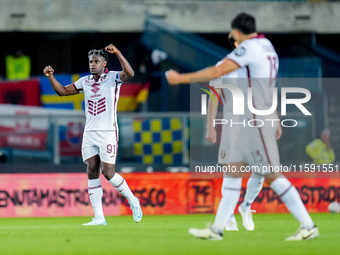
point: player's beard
(97, 71)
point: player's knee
(272, 177)
(92, 170)
(108, 171)
(269, 180)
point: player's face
(235, 34)
(97, 64)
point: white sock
(292, 200)
(120, 184)
(231, 189)
(254, 186)
(95, 194)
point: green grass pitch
(162, 235)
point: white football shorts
(104, 143)
(256, 147)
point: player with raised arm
(230, 152)
(100, 139)
(258, 56)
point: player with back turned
(233, 144)
(258, 56)
(100, 139)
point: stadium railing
(144, 138)
(190, 51)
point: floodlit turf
(162, 235)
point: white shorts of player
(104, 143)
(253, 146)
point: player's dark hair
(100, 52)
(245, 23)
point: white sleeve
(115, 76)
(243, 55)
(215, 82)
(79, 84)
(228, 78)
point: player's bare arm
(59, 89)
(211, 115)
(127, 73)
(204, 75)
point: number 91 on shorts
(104, 143)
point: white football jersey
(236, 78)
(101, 98)
(261, 61)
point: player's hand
(172, 77)
(48, 71)
(111, 49)
(211, 135)
(278, 132)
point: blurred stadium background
(40, 133)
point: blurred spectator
(18, 66)
(320, 150)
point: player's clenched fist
(48, 70)
(111, 49)
(172, 77)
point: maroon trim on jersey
(115, 112)
(249, 82)
(223, 96)
(234, 62)
(116, 141)
(100, 76)
(78, 90)
(264, 145)
(114, 105)
(259, 36)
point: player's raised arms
(59, 89)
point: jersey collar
(102, 76)
(258, 36)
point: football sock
(231, 189)
(254, 186)
(292, 200)
(95, 191)
(120, 184)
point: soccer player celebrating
(258, 55)
(100, 139)
(230, 152)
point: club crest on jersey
(103, 78)
(241, 51)
(95, 88)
